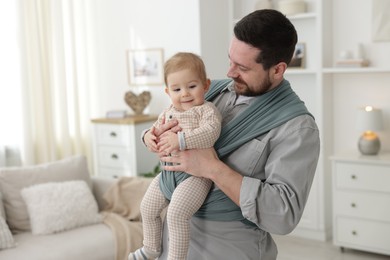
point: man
(266, 156)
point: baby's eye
(193, 86)
(176, 89)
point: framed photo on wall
(145, 67)
(298, 59)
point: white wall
(124, 25)
(173, 25)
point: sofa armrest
(100, 186)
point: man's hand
(197, 162)
(205, 163)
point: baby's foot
(143, 254)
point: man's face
(249, 76)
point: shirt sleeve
(276, 204)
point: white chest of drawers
(118, 149)
(361, 202)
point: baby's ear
(207, 85)
(166, 90)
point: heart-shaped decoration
(138, 102)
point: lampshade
(369, 118)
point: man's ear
(278, 71)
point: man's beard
(244, 90)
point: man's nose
(232, 72)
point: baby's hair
(185, 60)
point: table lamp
(369, 120)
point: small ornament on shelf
(352, 63)
(116, 114)
(138, 102)
(292, 7)
(348, 60)
(263, 4)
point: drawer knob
(113, 134)
(114, 156)
(354, 233)
(353, 177)
(353, 205)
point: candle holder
(369, 120)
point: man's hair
(270, 32)
(185, 60)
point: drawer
(114, 173)
(363, 234)
(362, 177)
(374, 206)
(110, 134)
(115, 157)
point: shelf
(294, 17)
(355, 156)
(291, 71)
(309, 85)
(131, 119)
(302, 16)
(335, 70)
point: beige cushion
(6, 238)
(59, 206)
(2, 212)
(13, 180)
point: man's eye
(243, 68)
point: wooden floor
(293, 248)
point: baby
(200, 122)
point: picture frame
(299, 57)
(145, 67)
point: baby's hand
(168, 143)
(150, 140)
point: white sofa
(94, 240)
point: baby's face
(186, 89)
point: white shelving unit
(333, 70)
(355, 87)
(309, 85)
